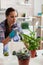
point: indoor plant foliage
(24, 25)
(23, 56)
(31, 41)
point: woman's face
(11, 18)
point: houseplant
(23, 56)
(24, 25)
(23, 15)
(31, 42)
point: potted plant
(24, 25)
(31, 42)
(24, 14)
(23, 56)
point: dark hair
(6, 24)
(7, 29)
(10, 10)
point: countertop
(12, 60)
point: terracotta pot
(33, 53)
(24, 62)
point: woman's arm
(11, 35)
(5, 41)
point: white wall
(33, 9)
(2, 16)
(37, 6)
(21, 8)
(29, 10)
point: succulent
(23, 54)
(14, 53)
(6, 54)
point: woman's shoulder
(14, 25)
(2, 24)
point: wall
(21, 8)
(28, 9)
(37, 6)
(2, 16)
(31, 10)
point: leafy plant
(23, 15)
(6, 54)
(22, 54)
(25, 25)
(14, 53)
(31, 41)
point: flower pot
(24, 62)
(33, 53)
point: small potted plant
(23, 56)
(24, 25)
(31, 42)
(23, 15)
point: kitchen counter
(12, 60)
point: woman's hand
(6, 40)
(12, 34)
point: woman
(7, 26)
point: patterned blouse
(3, 29)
